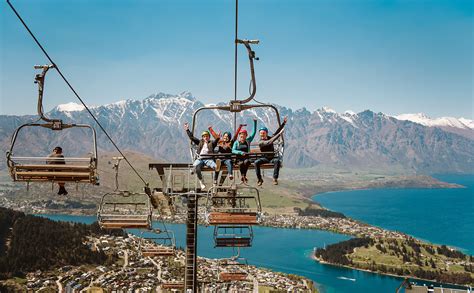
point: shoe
(275, 181)
(192, 171)
(218, 165)
(62, 191)
(246, 180)
(259, 182)
(242, 179)
(231, 177)
(201, 183)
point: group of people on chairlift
(239, 145)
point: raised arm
(236, 134)
(271, 140)
(235, 150)
(282, 125)
(216, 141)
(213, 133)
(254, 131)
(190, 134)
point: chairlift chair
(233, 269)
(230, 206)
(125, 210)
(163, 244)
(43, 169)
(233, 236)
(237, 106)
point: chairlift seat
(157, 251)
(233, 242)
(236, 167)
(125, 223)
(53, 172)
(172, 285)
(53, 176)
(227, 218)
(232, 276)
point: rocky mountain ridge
(366, 140)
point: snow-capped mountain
(368, 140)
(460, 126)
(422, 119)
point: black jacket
(267, 145)
(211, 144)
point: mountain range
(365, 140)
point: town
(159, 273)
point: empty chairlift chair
(236, 206)
(42, 168)
(233, 236)
(159, 243)
(125, 210)
(233, 270)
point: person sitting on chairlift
(266, 145)
(204, 146)
(59, 160)
(225, 147)
(241, 148)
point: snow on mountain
(469, 123)
(423, 119)
(327, 110)
(69, 107)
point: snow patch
(327, 110)
(70, 107)
(425, 120)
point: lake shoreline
(315, 258)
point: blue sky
(388, 56)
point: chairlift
(237, 106)
(125, 210)
(233, 269)
(162, 243)
(49, 169)
(234, 205)
(233, 236)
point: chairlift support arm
(252, 56)
(39, 79)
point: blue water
(284, 250)
(442, 216)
